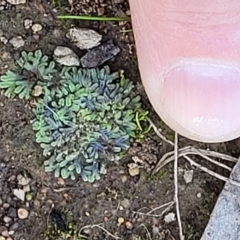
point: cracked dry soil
(118, 199)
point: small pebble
(19, 193)
(9, 238)
(11, 232)
(84, 38)
(66, 56)
(23, 213)
(61, 181)
(120, 220)
(125, 203)
(99, 55)
(2, 238)
(129, 225)
(2, 229)
(26, 188)
(1, 202)
(14, 227)
(121, 208)
(188, 176)
(17, 42)
(123, 178)
(6, 205)
(199, 195)
(7, 219)
(27, 23)
(170, 217)
(12, 212)
(23, 180)
(28, 196)
(36, 27)
(133, 169)
(5, 233)
(2, 165)
(3, 39)
(16, 2)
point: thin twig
(210, 172)
(102, 228)
(212, 160)
(167, 205)
(159, 207)
(157, 132)
(176, 186)
(168, 157)
(148, 233)
(200, 152)
(218, 155)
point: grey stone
(224, 221)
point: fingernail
(202, 100)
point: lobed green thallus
(83, 118)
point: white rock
(84, 38)
(26, 188)
(170, 217)
(17, 42)
(137, 160)
(23, 180)
(3, 39)
(37, 91)
(23, 213)
(27, 23)
(5, 233)
(188, 176)
(16, 2)
(19, 193)
(36, 27)
(133, 169)
(66, 56)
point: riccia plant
(83, 118)
(29, 69)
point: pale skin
(189, 60)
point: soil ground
(112, 206)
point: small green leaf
(71, 167)
(57, 172)
(19, 89)
(7, 84)
(71, 86)
(63, 163)
(78, 169)
(72, 156)
(9, 92)
(64, 173)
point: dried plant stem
(169, 204)
(176, 187)
(148, 233)
(214, 174)
(157, 132)
(102, 228)
(168, 157)
(149, 214)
